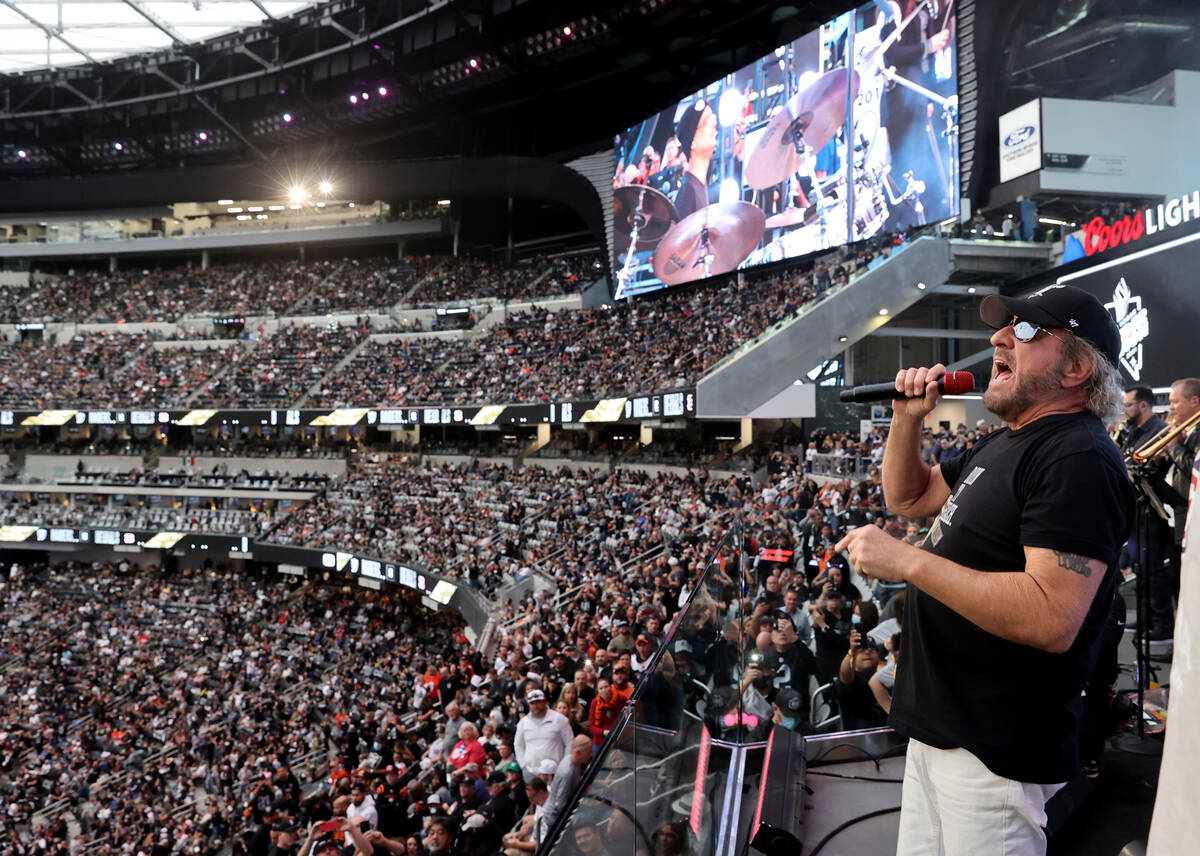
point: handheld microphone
(953, 383)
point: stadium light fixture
(366, 96)
(224, 201)
(237, 210)
(353, 99)
(118, 146)
(920, 286)
(287, 117)
(254, 209)
(729, 108)
(383, 92)
(297, 194)
(320, 204)
(325, 187)
(730, 191)
(883, 311)
(22, 154)
(474, 63)
(567, 30)
(202, 136)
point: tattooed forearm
(1072, 562)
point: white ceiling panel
(105, 29)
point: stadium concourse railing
(373, 572)
(843, 466)
(932, 230)
(677, 756)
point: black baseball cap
(790, 701)
(685, 128)
(1062, 306)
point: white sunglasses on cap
(1025, 331)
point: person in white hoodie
(542, 734)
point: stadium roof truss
(36, 34)
(246, 80)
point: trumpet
(1164, 438)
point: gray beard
(1024, 394)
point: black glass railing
(658, 782)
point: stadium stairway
(758, 379)
(337, 367)
(405, 301)
(202, 389)
(761, 378)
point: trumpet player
(1142, 426)
(1141, 423)
(1184, 405)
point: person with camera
(831, 620)
(857, 702)
(790, 663)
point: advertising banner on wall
(1021, 141)
(1157, 317)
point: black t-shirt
(793, 668)
(858, 705)
(1058, 483)
(691, 197)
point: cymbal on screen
(656, 217)
(732, 230)
(792, 217)
(817, 113)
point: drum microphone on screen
(953, 383)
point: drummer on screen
(696, 132)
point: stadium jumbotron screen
(755, 168)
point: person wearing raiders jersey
(1008, 594)
(790, 661)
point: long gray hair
(1103, 389)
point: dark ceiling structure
(362, 81)
(359, 80)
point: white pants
(952, 805)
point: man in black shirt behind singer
(1007, 596)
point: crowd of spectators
(74, 297)
(282, 366)
(167, 294)
(39, 375)
(485, 524)
(219, 476)
(188, 712)
(531, 356)
(165, 377)
(146, 712)
(357, 285)
(454, 280)
(540, 355)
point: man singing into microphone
(1007, 595)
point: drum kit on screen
(782, 164)
(718, 237)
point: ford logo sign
(1019, 136)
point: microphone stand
(1152, 497)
